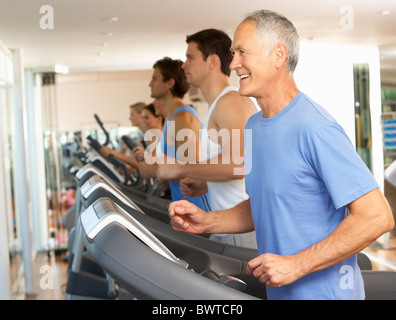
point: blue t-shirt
(304, 170)
(170, 151)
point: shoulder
(314, 109)
(233, 99)
(320, 127)
(185, 113)
(309, 114)
(233, 107)
(186, 118)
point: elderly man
(312, 201)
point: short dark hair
(213, 41)
(172, 69)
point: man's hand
(192, 188)
(138, 153)
(187, 217)
(106, 151)
(275, 270)
(168, 170)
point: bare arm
(187, 136)
(187, 217)
(192, 188)
(106, 151)
(369, 218)
(231, 114)
(147, 170)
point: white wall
(108, 94)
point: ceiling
(86, 38)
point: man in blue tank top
(169, 85)
(304, 173)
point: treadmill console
(104, 212)
(96, 182)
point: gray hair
(273, 28)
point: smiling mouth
(244, 76)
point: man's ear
(279, 53)
(214, 61)
(171, 83)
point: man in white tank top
(218, 172)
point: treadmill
(96, 188)
(88, 170)
(379, 284)
(157, 266)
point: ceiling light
(61, 69)
(385, 12)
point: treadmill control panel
(104, 212)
